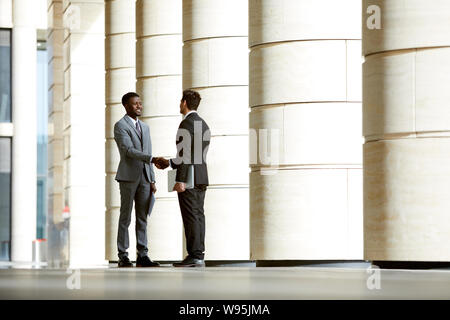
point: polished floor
(166, 282)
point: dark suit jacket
(193, 138)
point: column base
(314, 263)
(209, 263)
(411, 264)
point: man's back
(200, 135)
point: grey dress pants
(139, 192)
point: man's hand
(153, 188)
(160, 162)
(179, 187)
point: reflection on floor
(22, 282)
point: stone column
(55, 39)
(84, 129)
(55, 220)
(120, 61)
(406, 121)
(24, 141)
(305, 91)
(158, 74)
(215, 63)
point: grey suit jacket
(133, 156)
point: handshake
(160, 162)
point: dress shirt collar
(192, 111)
(134, 121)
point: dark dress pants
(191, 204)
(139, 192)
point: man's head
(132, 104)
(189, 101)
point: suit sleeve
(125, 144)
(173, 165)
(152, 173)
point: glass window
(5, 198)
(42, 132)
(41, 231)
(5, 75)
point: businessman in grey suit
(136, 179)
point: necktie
(138, 128)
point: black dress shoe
(145, 262)
(125, 263)
(190, 262)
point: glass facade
(5, 145)
(5, 198)
(5, 75)
(42, 139)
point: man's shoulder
(121, 121)
(199, 118)
(189, 122)
(193, 117)
(121, 124)
(185, 121)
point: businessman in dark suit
(136, 180)
(193, 138)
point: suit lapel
(130, 123)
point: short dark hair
(127, 96)
(192, 99)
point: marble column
(305, 99)
(215, 63)
(120, 61)
(55, 39)
(406, 122)
(84, 129)
(158, 75)
(24, 141)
